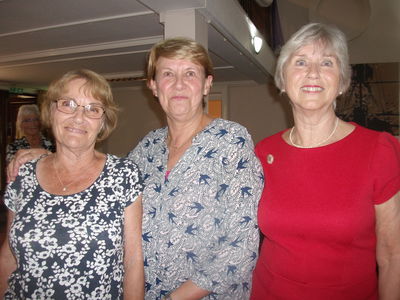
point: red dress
(317, 215)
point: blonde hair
(95, 85)
(24, 110)
(178, 48)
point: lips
(179, 97)
(312, 88)
(75, 130)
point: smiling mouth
(179, 97)
(312, 89)
(75, 130)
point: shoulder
(228, 133)
(271, 140)
(115, 162)
(19, 142)
(375, 138)
(231, 126)
(153, 138)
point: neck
(32, 137)
(310, 135)
(75, 160)
(180, 133)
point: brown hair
(178, 48)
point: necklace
(320, 143)
(64, 187)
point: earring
(340, 93)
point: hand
(22, 156)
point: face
(76, 131)
(30, 124)
(180, 86)
(312, 77)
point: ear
(208, 85)
(153, 87)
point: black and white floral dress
(70, 247)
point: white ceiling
(41, 39)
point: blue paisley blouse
(70, 247)
(22, 143)
(200, 223)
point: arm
(133, 256)
(388, 247)
(228, 252)
(7, 259)
(21, 157)
(188, 291)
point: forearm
(7, 266)
(134, 282)
(389, 279)
(188, 291)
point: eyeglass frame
(85, 108)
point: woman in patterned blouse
(202, 186)
(28, 133)
(74, 218)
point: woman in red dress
(330, 210)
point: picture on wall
(372, 99)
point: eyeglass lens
(69, 106)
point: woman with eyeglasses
(28, 132)
(74, 218)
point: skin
(180, 86)
(388, 248)
(7, 259)
(79, 163)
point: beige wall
(257, 107)
(139, 114)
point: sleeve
(233, 248)
(10, 152)
(11, 195)
(134, 182)
(48, 145)
(137, 155)
(385, 167)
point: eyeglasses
(69, 106)
(30, 120)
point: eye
(327, 63)
(94, 108)
(167, 74)
(66, 103)
(191, 74)
(300, 62)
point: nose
(179, 81)
(313, 71)
(78, 114)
